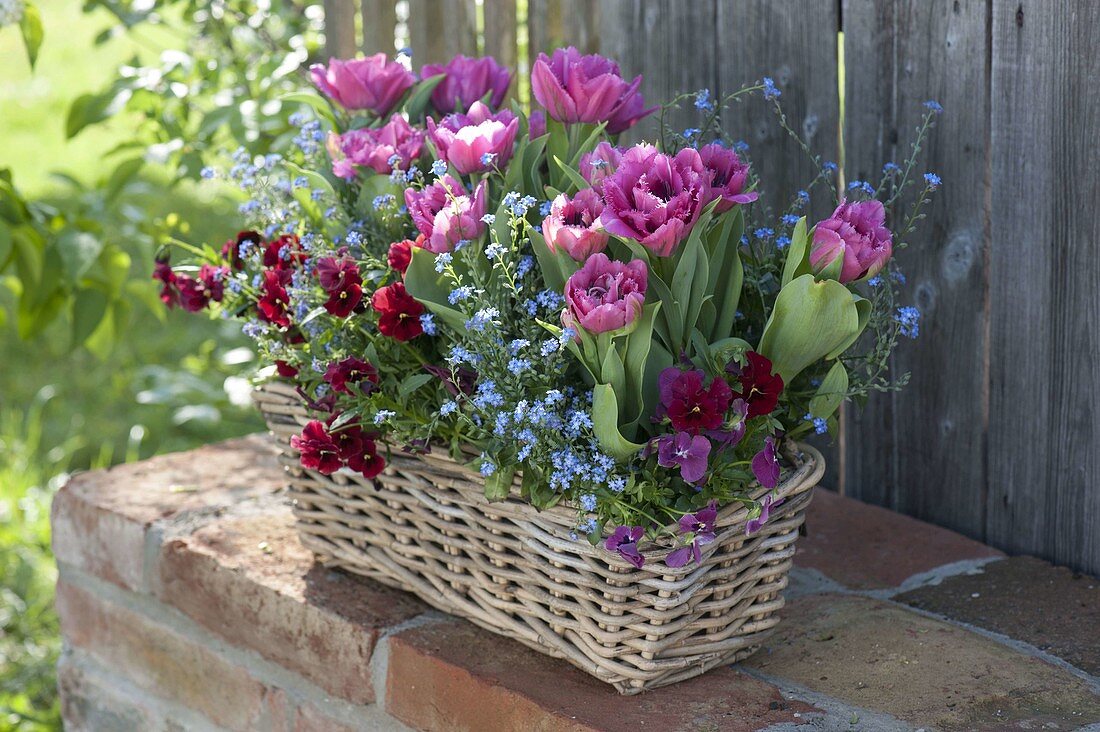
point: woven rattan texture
(424, 526)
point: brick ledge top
(884, 613)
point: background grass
(161, 388)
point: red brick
(252, 582)
(88, 705)
(454, 676)
(159, 660)
(100, 518)
(868, 547)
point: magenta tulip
(467, 80)
(600, 163)
(729, 176)
(655, 199)
(373, 83)
(854, 238)
(605, 295)
(476, 141)
(574, 225)
(445, 213)
(590, 89)
(394, 145)
(536, 124)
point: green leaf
(427, 286)
(421, 95)
(810, 320)
(499, 484)
(605, 416)
(863, 310)
(314, 101)
(120, 176)
(7, 245)
(31, 27)
(316, 180)
(574, 177)
(637, 348)
(831, 393)
(88, 109)
(411, 383)
(78, 250)
(89, 307)
(797, 262)
(556, 267)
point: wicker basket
(424, 526)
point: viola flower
(855, 238)
(395, 145)
(766, 506)
(197, 293)
(341, 280)
(373, 83)
(462, 381)
(655, 199)
(446, 214)
(169, 292)
(729, 176)
(589, 89)
(274, 299)
(318, 450)
(398, 312)
(231, 250)
(467, 80)
(700, 525)
(760, 388)
(467, 141)
(604, 295)
(284, 252)
(625, 540)
(350, 370)
(733, 429)
(284, 369)
(597, 165)
(367, 462)
(686, 451)
(574, 225)
(765, 464)
(400, 254)
(689, 406)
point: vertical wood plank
(340, 28)
(379, 21)
(558, 23)
(500, 31)
(438, 31)
(921, 451)
(671, 44)
(1045, 297)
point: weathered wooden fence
(995, 435)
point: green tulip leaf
(831, 393)
(798, 260)
(605, 421)
(810, 321)
(427, 286)
(863, 310)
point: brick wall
(187, 602)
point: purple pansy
(701, 526)
(766, 507)
(765, 465)
(625, 542)
(683, 450)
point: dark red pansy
(284, 252)
(340, 278)
(231, 251)
(274, 301)
(197, 293)
(691, 407)
(285, 370)
(368, 462)
(318, 450)
(760, 388)
(350, 371)
(169, 293)
(348, 440)
(398, 312)
(400, 255)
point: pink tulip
(468, 80)
(600, 163)
(856, 236)
(574, 225)
(729, 176)
(476, 141)
(373, 83)
(394, 145)
(655, 199)
(605, 295)
(446, 214)
(590, 89)
(536, 124)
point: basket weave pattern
(424, 526)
